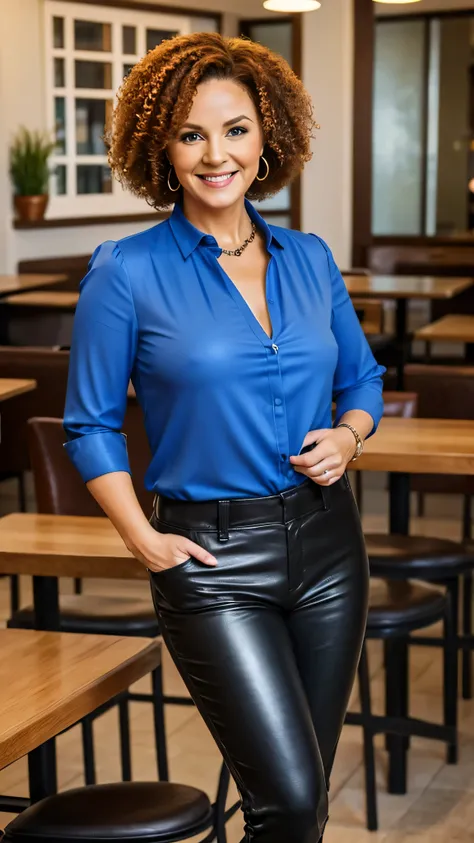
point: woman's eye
(190, 137)
(237, 130)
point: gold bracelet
(358, 439)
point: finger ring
(326, 471)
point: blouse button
(277, 402)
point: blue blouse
(224, 404)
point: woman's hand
(327, 462)
(158, 551)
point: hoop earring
(268, 170)
(172, 189)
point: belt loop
(223, 520)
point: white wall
(327, 72)
(328, 76)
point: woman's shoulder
(293, 235)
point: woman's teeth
(217, 178)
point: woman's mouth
(217, 180)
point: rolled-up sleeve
(358, 377)
(101, 362)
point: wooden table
(455, 327)
(401, 288)
(18, 283)
(9, 387)
(44, 299)
(50, 680)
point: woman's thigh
(237, 660)
(327, 624)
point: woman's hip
(275, 549)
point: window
(89, 50)
(423, 126)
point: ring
(326, 471)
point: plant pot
(31, 208)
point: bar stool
(396, 609)
(135, 812)
(439, 561)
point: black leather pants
(268, 642)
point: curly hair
(156, 98)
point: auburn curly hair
(156, 98)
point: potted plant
(29, 171)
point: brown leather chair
(60, 490)
(396, 404)
(444, 392)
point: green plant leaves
(29, 154)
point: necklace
(237, 252)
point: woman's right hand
(159, 551)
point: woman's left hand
(327, 462)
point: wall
(328, 76)
(327, 73)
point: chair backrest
(400, 404)
(59, 488)
(49, 367)
(444, 392)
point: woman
(236, 336)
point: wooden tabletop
(432, 446)
(17, 283)
(50, 299)
(451, 328)
(406, 286)
(50, 680)
(9, 387)
(64, 546)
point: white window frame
(118, 201)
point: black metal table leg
(399, 485)
(401, 336)
(42, 769)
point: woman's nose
(215, 153)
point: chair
(60, 490)
(396, 609)
(448, 392)
(137, 812)
(396, 404)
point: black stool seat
(398, 607)
(135, 812)
(90, 613)
(417, 556)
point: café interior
(89, 694)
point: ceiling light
(396, 2)
(291, 5)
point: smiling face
(216, 153)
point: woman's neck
(230, 226)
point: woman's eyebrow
(227, 123)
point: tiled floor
(439, 805)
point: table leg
(399, 485)
(42, 768)
(402, 346)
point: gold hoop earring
(268, 170)
(172, 189)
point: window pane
(60, 124)
(61, 180)
(93, 74)
(94, 178)
(398, 127)
(126, 69)
(129, 40)
(156, 36)
(59, 77)
(91, 119)
(277, 36)
(58, 32)
(284, 220)
(89, 35)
